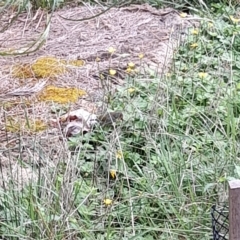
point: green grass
(173, 154)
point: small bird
(109, 118)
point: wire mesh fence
(220, 223)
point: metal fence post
(234, 210)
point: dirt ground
(132, 30)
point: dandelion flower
(194, 45)
(183, 15)
(129, 70)
(234, 20)
(113, 174)
(111, 50)
(131, 90)
(131, 65)
(107, 201)
(141, 55)
(168, 74)
(112, 72)
(195, 31)
(202, 74)
(210, 24)
(119, 154)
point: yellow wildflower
(111, 50)
(202, 74)
(168, 74)
(194, 45)
(141, 55)
(107, 201)
(195, 31)
(102, 77)
(112, 72)
(210, 24)
(131, 65)
(119, 154)
(234, 20)
(131, 90)
(129, 70)
(113, 173)
(183, 15)
(98, 59)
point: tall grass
(172, 154)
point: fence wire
(220, 223)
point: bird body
(109, 118)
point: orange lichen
(61, 95)
(45, 67)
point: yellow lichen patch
(77, 63)
(49, 67)
(16, 125)
(44, 67)
(61, 95)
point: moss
(48, 67)
(61, 95)
(45, 67)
